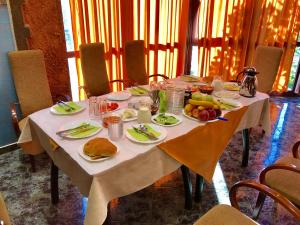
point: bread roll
(99, 147)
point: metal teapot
(249, 82)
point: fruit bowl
(204, 111)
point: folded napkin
(142, 137)
(91, 129)
(201, 148)
(62, 109)
(137, 91)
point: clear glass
(175, 99)
(115, 128)
(94, 113)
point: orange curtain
(162, 24)
(228, 32)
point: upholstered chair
(230, 215)
(31, 83)
(267, 61)
(94, 71)
(135, 63)
(3, 212)
(284, 177)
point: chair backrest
(94, 68)
(266, 62)
(135, 62)
(30, 78)
(3, 212)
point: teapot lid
(250, 71)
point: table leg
(187, 187)
(54, 183)
(107, 220)
(245, 147)
(198, 187)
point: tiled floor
(28, 194)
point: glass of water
(115, 128)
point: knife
(149, 135)
(65, 104)
(76, 132)
(85, 125)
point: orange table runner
(201, 148)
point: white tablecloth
(135, 166)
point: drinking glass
(94, 113)
(175, 99)
(115, 128)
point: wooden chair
(3, 212)
(135, 63)
(284, 177)
(94, 70)
(31, 83)
(267, 61)
(230, 215)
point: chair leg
(187, 187)
(199, 188)
(54, 183)
(245, 147)
(259, 205)
(32, 162)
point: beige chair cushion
(3, 212)
(286, 182)
(266, 62)
(135, 62)
(94, 68)
(224, 215)
(30, 78)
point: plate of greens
(166, 119)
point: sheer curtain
(228, 32)
(162, 24)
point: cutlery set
(142, 129)
(74, 131)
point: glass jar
(217, 83)
(144, 113)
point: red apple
(212, 114)
(203, 115)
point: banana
(201, 103)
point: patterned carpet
(27, 194)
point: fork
(146, 130)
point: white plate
(192, 118)
(190, 78)
(118, 96)
(81, 153)
(234, 84)
(235, 102)
(226, 94)
(168, 114)
(52, 110)
(163, 135)
(129, 119)
(77, 123)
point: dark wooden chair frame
(265, 190)
(277, 166)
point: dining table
(136, 165)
